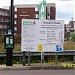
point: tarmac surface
(38, 72)
(31, 67)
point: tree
(72, 37)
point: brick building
(4, 20)
(30, 11)
(26, 11)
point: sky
(64, 8)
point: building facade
(70, 29)
(4, 20)
(30, 11)
(26, 11)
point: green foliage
(2, 60)
(35, 59)
(17, 39)
(73, 37)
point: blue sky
(64, 8)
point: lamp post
(9, 38)
(12, 17)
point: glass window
(5, 32)
(5, 20)
(1, 26)
(14, 22)
(1, 19)
(4, 13)
(0, 12)
(15, 15)
(15, 9)
(36, 16)
(1, 32)
(7, 14)
(15, 28)
(4, 26)
(15, 33)
(36, 9)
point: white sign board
(42, 35)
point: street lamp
(9, 38)
(12, 17)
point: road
(38, 72)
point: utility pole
(12, 16)
(9, 38)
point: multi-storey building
(4, 20)
(70, 29)
(26, 11)
(30, 11)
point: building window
(5, 20)
(36, 15)
(15, 28)
(1, 26)
(7, 14)
(15, 15)
(1, 19)
(4, 26)
(4, 13)
(36, 9)
(15, 33)
(5, 32)
(14, 22)
(0, 12)
(15, 9)
(1, 32)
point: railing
(20, 53)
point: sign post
(9, 46)
(42, 16)
(24, 58)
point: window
(1, 26)
(15, 28)
(1, 19)
(7, 14)
(4, 13)
(0, 12)
(36, 9)
(14, 22)
(15, 15)
(4, 26)
(1, 32)
(15, 9)
(5, 20)
(36, 16)
(15, 33)
(5, 32)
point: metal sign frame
(9, 41)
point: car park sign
(42, 35)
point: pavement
(31, 67)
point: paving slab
(31, 67)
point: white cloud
(65, 10)
(74, 10)
(7, 2)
